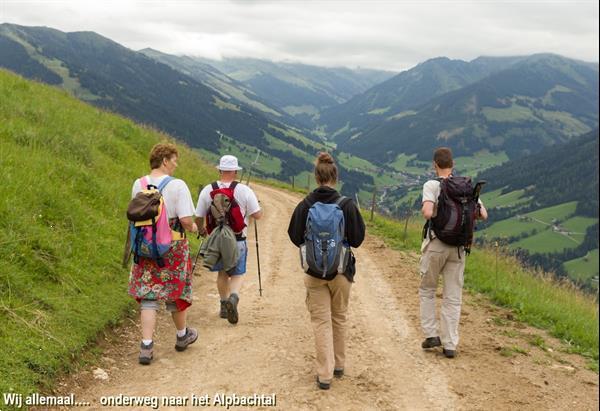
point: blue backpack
(325, 250)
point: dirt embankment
(271, 349)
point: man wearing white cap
(229, 282)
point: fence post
(406, 226)
(373, 202)
(496, 284)
(308, 183)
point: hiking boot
(146, 353)
(338, 372)
(431, 342)
(223, 312)
(231, 306)
(323, 385)
(190, 337)
(449, 353)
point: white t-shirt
(243, 194)
(176, 195)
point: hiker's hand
(194, 228)
(202, 231)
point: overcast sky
(393, 35)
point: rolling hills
(301, 90)
(533, 102)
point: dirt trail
(271, 349)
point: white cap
(228, 163)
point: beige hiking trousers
(327, 303)
(442, 259)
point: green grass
(352, 162)
(578, 224)
(565, 312)
(283, 146)
(291, 133)
(379, 111)
(512, 227)
(400, 164)
(514, 113)
(401, 115)
(68, 170)
(584, 267)
(569, 124)
(479, 162)
(558, 212)
(547, 241)
(246, 154)
(496, 199)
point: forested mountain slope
(299, 89)
(545, 206)
(398, 96)
(108, 75)
(535, 102)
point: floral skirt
(173, 282)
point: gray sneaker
(223, 312)
(231, 305)
(146, 353)
(190, 337)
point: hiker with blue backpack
(325, 225)
(223, 212)
(450, 205)
(160, 212)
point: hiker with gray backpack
(160, 212)
(451, 205)
(223, 212)
(324, 226)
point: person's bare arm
(200, 225)
(188, 224)
(427, 210)
(257, 215)
(483, 214)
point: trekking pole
(373, 202)
(257, 257)
(127, 249)
(197, 255)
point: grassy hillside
(551, 216)
(68, 170)
(195, 109)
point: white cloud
(376, 33)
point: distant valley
(526, 124)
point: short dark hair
(161, 151)
(442, 156)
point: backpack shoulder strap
(233, 185)
(341, 201)
(144, 182)
(214, 185)
(164, 183)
